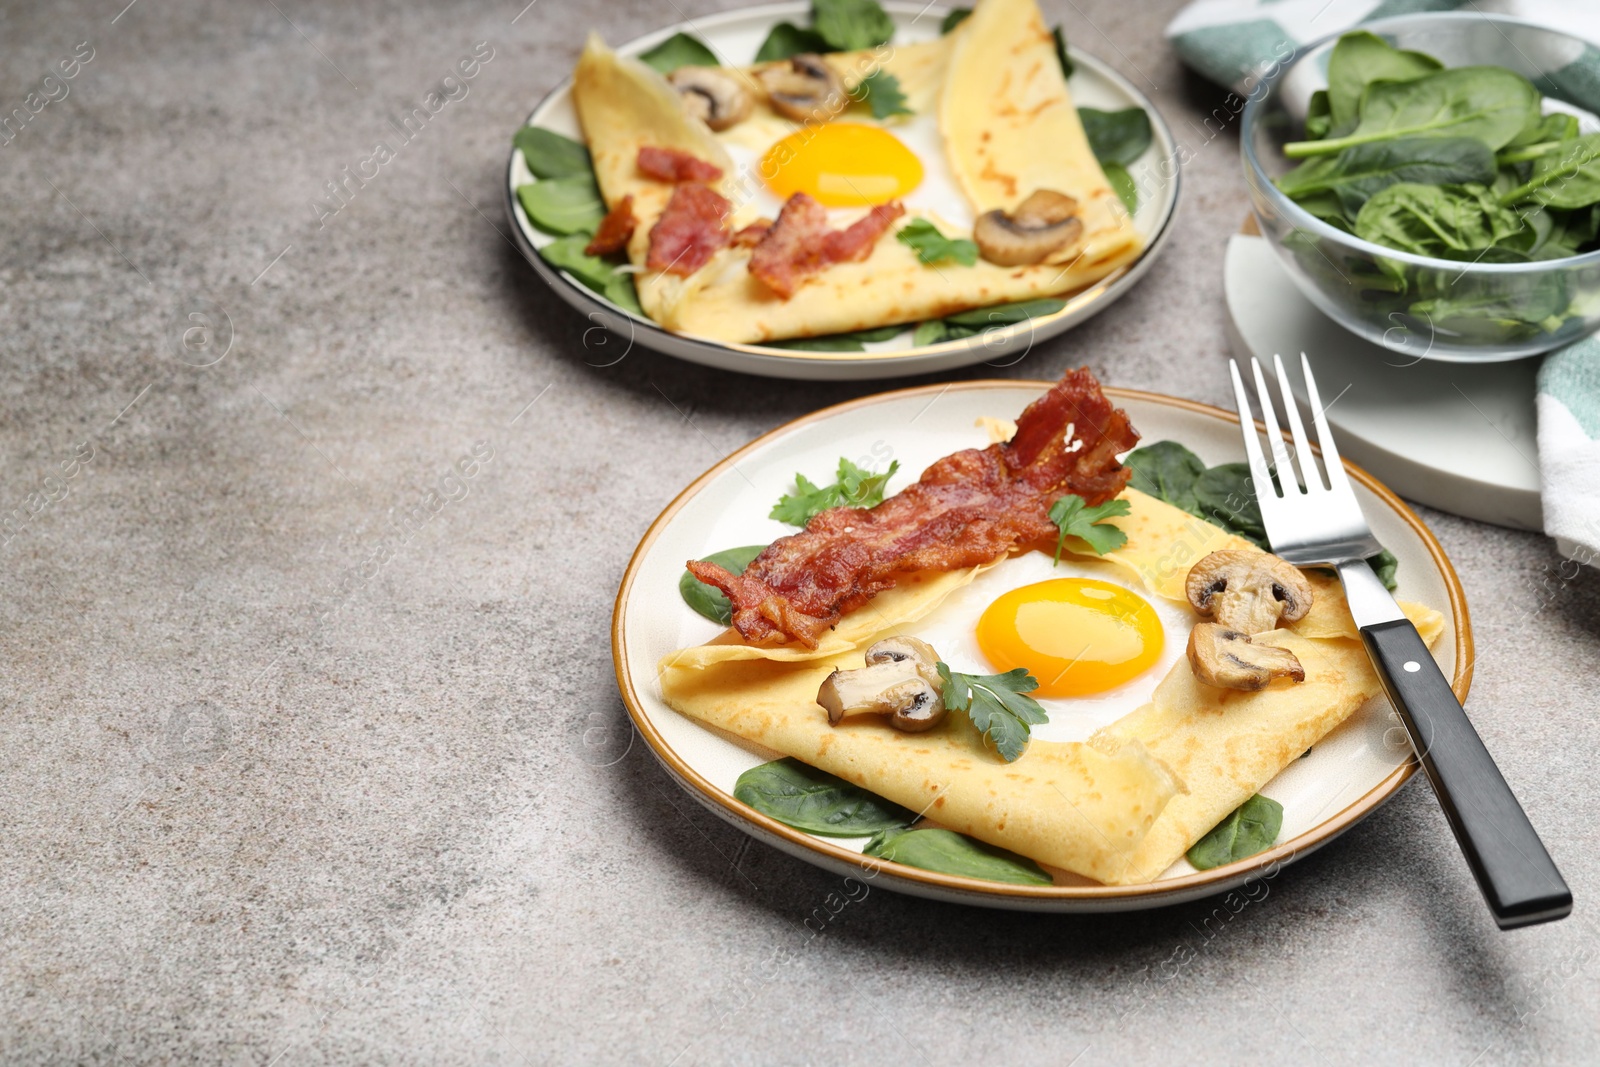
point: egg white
(951, 630)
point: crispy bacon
(614, 230)
(800, 243)
(675, 165)
(751, 235)
(968, 508)
(691, 229)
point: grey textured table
(295, 756)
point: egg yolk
(1077, 636)
(841, 164)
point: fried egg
(842, 164)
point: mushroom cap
(894, 688)
(1043, 223)
(1228, 659)
(804, 89)
(718, 100)
(899, 649)
(1251, 592)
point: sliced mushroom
(1043, 223)
(1248, 591)
(894, 688)
(1228, 659)
(711, 96)
(804, 89)
(910, 650)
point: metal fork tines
(1311, 516)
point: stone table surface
(290, 780)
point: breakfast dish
(861, 710)
(922, 188)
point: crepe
(1038, 142)
(1120, 808)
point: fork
(1312, 521)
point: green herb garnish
(880, 91)
(808, 799)
(851, 25)
(679, 50)
(856, 487)
(932, 246)
(1074, 518)
(948, 852)
(854, 341)
(550, 155)
(1062, 55)
(1116, 136)
(956, 17)
(786, 39)
(997, 706)
(1251, 829)
(562, 206)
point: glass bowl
(1425, 307)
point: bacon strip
(691, 229)
(800, 243)
(751, 235)
(675, 165)
(614, 230)
(968, 508)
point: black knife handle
(1516, 874)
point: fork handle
(1513, 869)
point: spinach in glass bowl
(1439, 194)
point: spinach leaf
(808, 799)
(1319, 120)
(930, 333)
(851, 25)
(1446, 221)
(957, 16)
(997, 706)
(1251, 829)
(1074, 518)
(932, 246)
(563, 206)
(550, 155)
(1225, 495)
(1006, 314)
(948, 852)
(1384, 566)
(839, 342)
(1489, 103)
(1360, 171)
(567, 254)
(1062, 55)
(708, 600)
(856, 487)
(1167, 471)
(1566, 178)
(1359, 59)
(1542, 129)
(1116, 136)
(679, 50)
(1123, 185)
(620, 291)
(881, 92)
(786, 39)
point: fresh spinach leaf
(1384, 566)
(1446, 221)
(932, 246)
(1566, 178)
(855, 487)
(930, 333)
(550, 155)
(563, 206)
(1123, 185)
(839, 342)
(808, 799)
(957, 16)
(786, 39)
(1005, 314)
(679, 50)
(566, 253)
(1544, 129)
(1225, 496)
(1074, 518)
(1062, 55)
(851, 25)
(1116, 136)
(1251, 829)
(1167, 471)
(948, 852)
(1360, 171)
(880, 90)
(1319, 119)
(619, 289)
(997, 706)
(1359, 59)
(708, 600)
(1489, 103)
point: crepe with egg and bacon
(713, 263)
(1118, 808)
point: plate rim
(1184, 886)
(773, 361)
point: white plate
(1346, 776)
(736, 35)
(1455, 436)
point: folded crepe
(1120, 808)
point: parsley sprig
(997, 706)
(933, 247)
(856, 487)
(1074, 518)
(881, 92)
